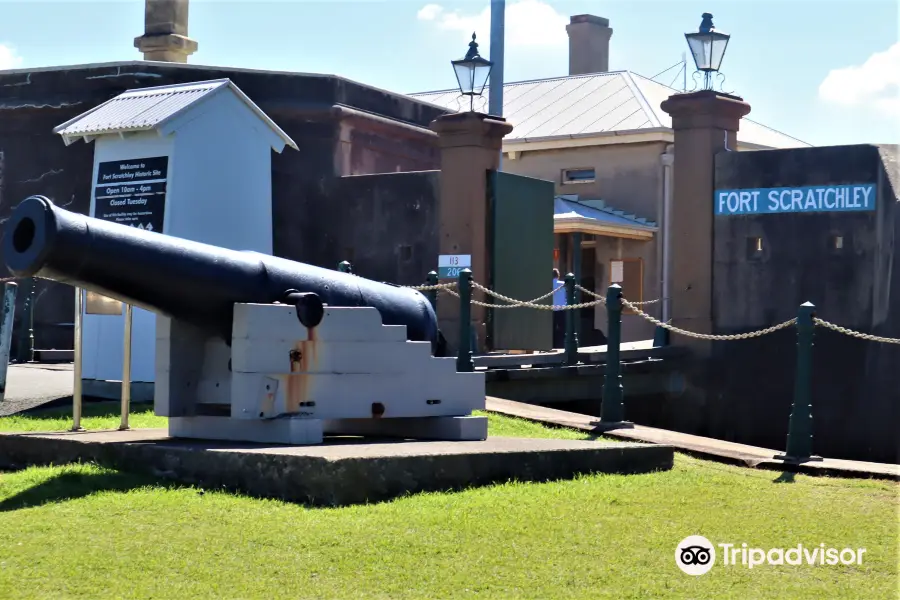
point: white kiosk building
(189, 160)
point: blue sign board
(815, 198)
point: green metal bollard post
(432, 279)
(800, 430)
(660, 337)
(464, 361)
(345, 267)
(611, 409)
(571, 345)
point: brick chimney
(588, 44)
(165, 31)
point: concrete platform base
(141, 391)
(299, 431)
(342, 471)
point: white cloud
(429, 12)
(8, 57)
(529, 23)
(873, 84)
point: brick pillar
(165, 32)
(470, 146)
(703, 122)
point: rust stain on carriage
(268, 406)
(304, 358)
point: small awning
(571, 215)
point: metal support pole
(498, 37)
(464, 361)
(25, 350)
(345, 267)
(576, 270)
(31, 301)
(800, 427)
(126, 368)
(432, 279)
(611, 409)
(76, 367)
(7, 320)
(571, 345)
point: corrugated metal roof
(571, 207)
(580, 105)
(146, 109)
(138, 110)
(750, 132)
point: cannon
(252, 347)
(187, 280)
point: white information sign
(449, 265)
(616, 272)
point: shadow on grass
(786, 477)
(72, 486)
(104, 409)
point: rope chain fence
(603, 299)
(633, 306)
(707, 336)
(431, 288)
(530, 303)
(856, 334)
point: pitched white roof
(570, 206)
(146, 109)
(585, 105)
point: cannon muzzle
(190, 281)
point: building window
(580, 175)
(837, 242)
(629, 274)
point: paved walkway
(741, 454)
(32, 385)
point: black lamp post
(472, 73)
(708, 48)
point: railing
(800, 432)
(77, 392)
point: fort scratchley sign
(808, 199)
(132, 192)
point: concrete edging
(335, 473)
(699, 447)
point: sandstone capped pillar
(705, 123)
(470, 146)
(166, 32)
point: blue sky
(827, 72)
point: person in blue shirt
(559, 316)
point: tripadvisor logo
(696, 555)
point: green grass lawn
(82, 531)
(95, 415)
(105, 415)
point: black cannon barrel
(186, 280)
